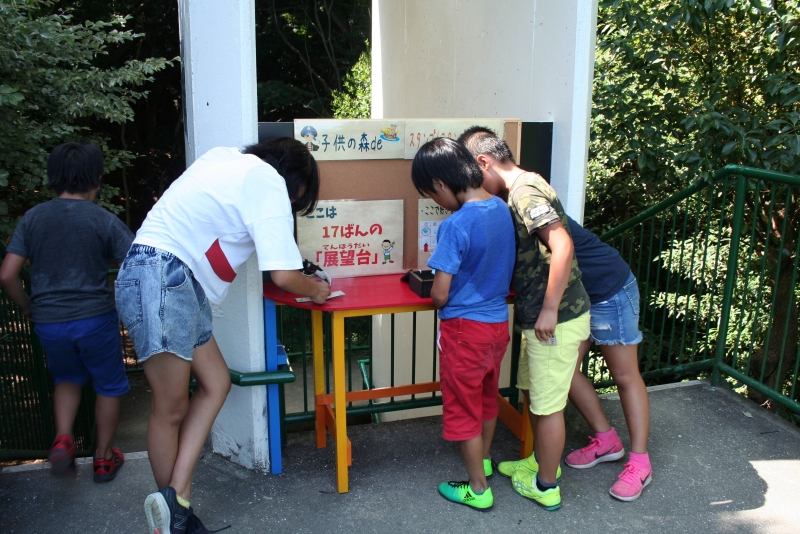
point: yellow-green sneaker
(462, 493)
(527, 465)
(487, 467)
(525, 484)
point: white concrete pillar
(219, 72)
(528, 59)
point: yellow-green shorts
(546, 370)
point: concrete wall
(528, 59)
(219, 69)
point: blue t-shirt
(476, 245)
(603, 269)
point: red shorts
(470, 353)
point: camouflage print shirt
(535, 205)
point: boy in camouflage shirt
(551, 304)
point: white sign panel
(418, 132)
(430, 215)
(351, 139)
(353, 237)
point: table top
(360, 293)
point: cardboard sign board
(430, 215)
(350, 139)
(354, 238)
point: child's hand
(323, 290)
(546, 324)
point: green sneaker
(487, 467)
(528, 465)
(525, 484)
(462, 493)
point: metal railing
(717, 265)
(27, 425)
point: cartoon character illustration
(309, 133)
(387, 247)
(390, 133)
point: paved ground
(722, 465)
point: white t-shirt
(216, 214)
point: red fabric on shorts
(470, 353)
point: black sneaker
(164, 514)
(196, 526)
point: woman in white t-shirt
(225, 206)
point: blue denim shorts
(616, 321)
(92, 347)
(161, 304)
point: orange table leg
(319, 374)
(526, 444)
(340, 404)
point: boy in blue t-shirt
(474, 262)
(70, 242)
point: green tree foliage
(683, 88)
(305, 50)
(51, 88)
(354, 101)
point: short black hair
(481, 140)
(446, 160)
(296, 166)
(74, 168)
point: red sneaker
(62, 456)
(106, 470)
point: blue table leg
(273, 394)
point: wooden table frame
(328, 406)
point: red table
(363, 296)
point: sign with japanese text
(353, 237)
(418, 132)
(430, 215)
(351, 139)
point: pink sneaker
(595, 452)
(631, 482)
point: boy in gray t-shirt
(70, 242)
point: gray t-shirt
(70, 244)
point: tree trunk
(775, 370)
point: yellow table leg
(339, 403)
(319, 374)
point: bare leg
(168, 376)
(213, 385)
(623, 362)
(488, 435)
(550, 433)
(549, 445)
(106, 413)
(66, 399)
(583, 395)
(472, 451)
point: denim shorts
(92, 347)
(616, 321)
(161, 304)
